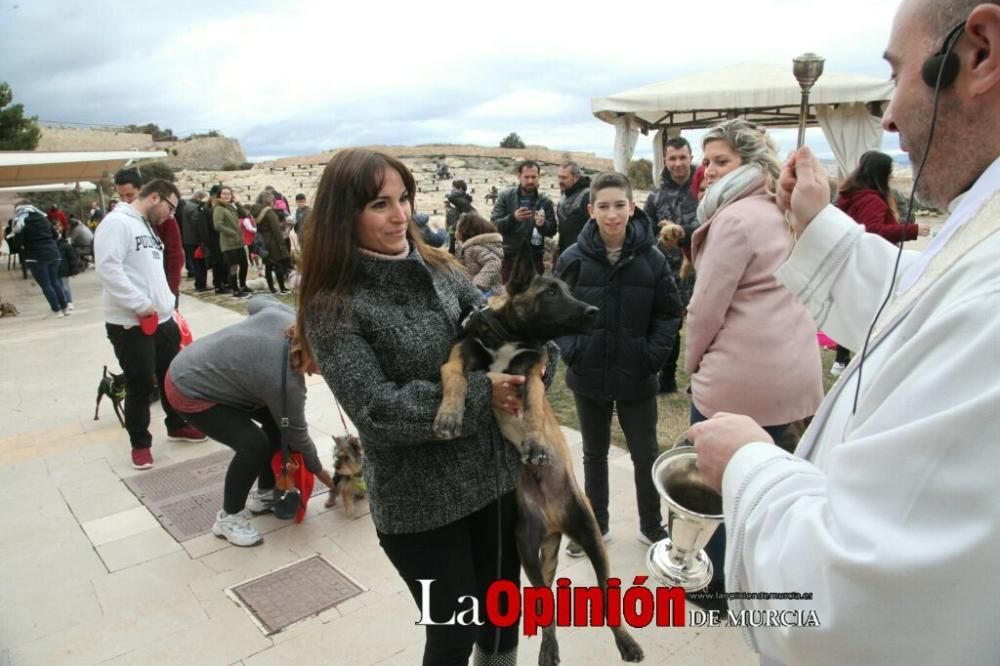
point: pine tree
(16, 131)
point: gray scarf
(734, 185)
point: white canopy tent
(52, 187)
(23, 168)
(847, 107)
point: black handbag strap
(284, 407)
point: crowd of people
(761, 255)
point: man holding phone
(521, 214)
(138, 310)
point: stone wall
(450, 152)
(210, 154)
(60, 139)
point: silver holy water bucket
(694, 511)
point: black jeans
(843, 355)
(254, 445)
(220, 271)
(279, 269)
(461, 559)
(716, 546)
(237, 262)
(638, 422)
(200, 273)
(189, 258)
(46, 274)
(141, 357)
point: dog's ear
(571, 274)
(523, 271)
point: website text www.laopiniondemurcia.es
(585, 606)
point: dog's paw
(548, 654)
(535, 453)
(627, 647)
(331, 500)
(448, 423)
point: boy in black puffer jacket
(614, 367)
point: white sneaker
(260, 501)
(66, 312)
(236, 529)
(58, 313)
(837, 368)
(69, 306)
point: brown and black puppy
(113, 386)
(510, 336)
(348, 483)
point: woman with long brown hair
(380, 310)
(865, 195)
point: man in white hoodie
(138, 310)
(888, 514)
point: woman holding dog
(615, 367)
(229, 385)
(751, 346)
(381, 310)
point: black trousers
(638, 422)
(461, 559)
(220, 271)
(278, 269)
(189, 258)
(141, 357)
(843, 355)
(254, 445)
(237, 262)
(200, 273)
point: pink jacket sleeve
(720, 265)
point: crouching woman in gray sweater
(228, 385)
(380, 310)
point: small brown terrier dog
(348, 484)
(670, 238)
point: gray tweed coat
(384, 368)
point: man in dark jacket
(572, 210)
(188, 216)
(674, 202)
(521, 214)
(457, 203)
(613, 368)
(37, 238)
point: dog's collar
(356, 479)
(483, 316)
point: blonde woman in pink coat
(751, 345)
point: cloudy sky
(294, 77)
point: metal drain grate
(186, 496)
(293, 593)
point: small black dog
(113, 386)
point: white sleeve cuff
(744, 462)
(828, 229)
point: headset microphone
(941, 69)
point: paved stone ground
(90, 576)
